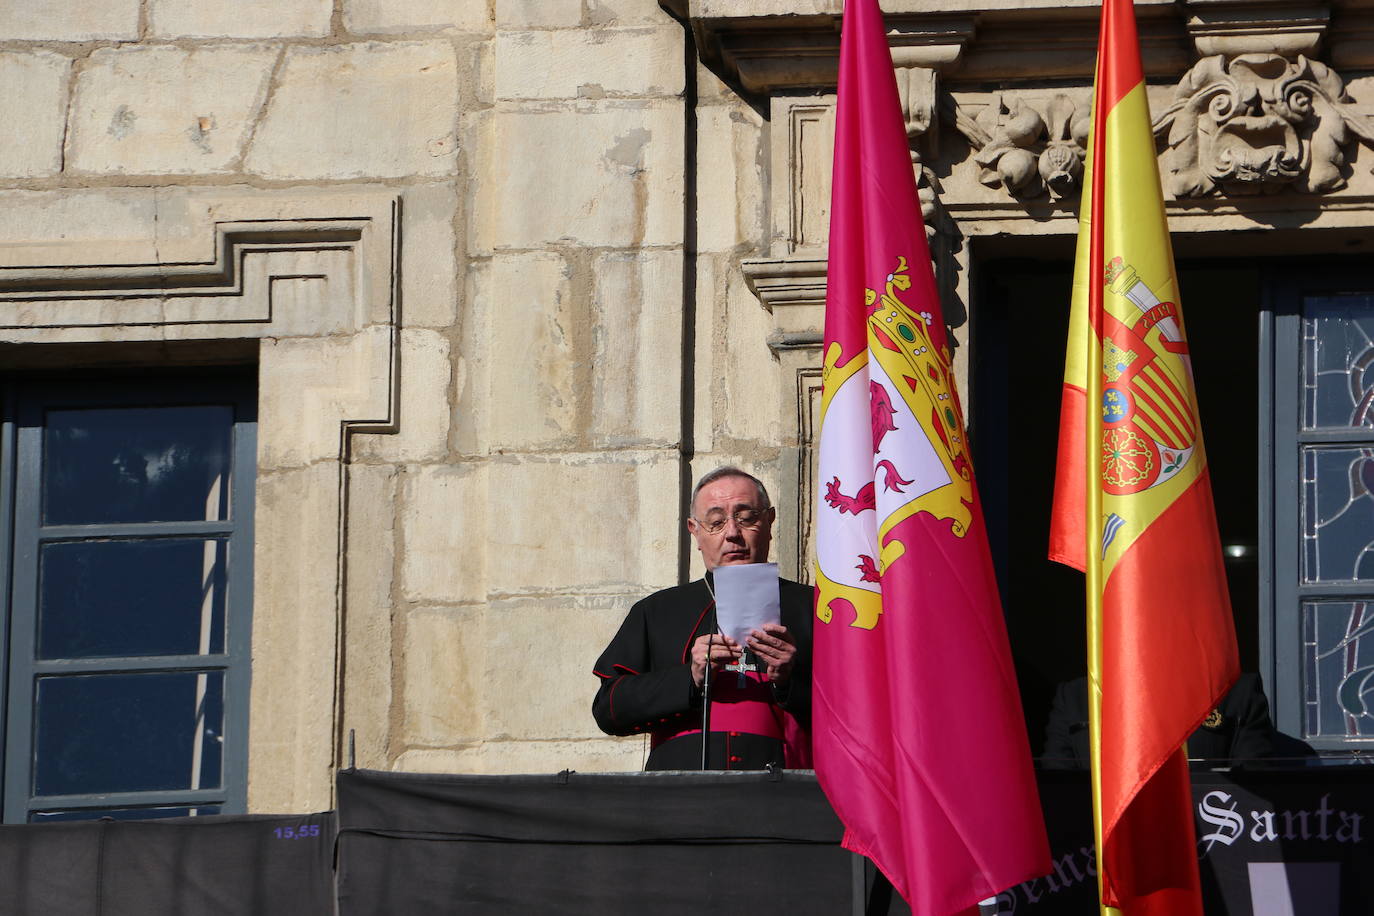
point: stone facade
(515, 271)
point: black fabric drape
(661, 843)
(209, 866)
(624, 843)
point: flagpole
(1092, 527)
(1093, 536)
(1161, 648)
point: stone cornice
(786, 281)
(763, 47)
(765, 55)
(793, 290)
(772, 52)
(1273, 26)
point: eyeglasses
(745, 518)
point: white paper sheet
(746, 598)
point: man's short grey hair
(721, 473)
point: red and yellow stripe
(1161, 644)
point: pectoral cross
(741, 667)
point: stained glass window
(1338, 514)
(1338, 669)
(1338, 362)
(1334, 451)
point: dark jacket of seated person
(1236, 731)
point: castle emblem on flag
(918, 461)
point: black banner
(660, 843)
(226, 865)
(1270, 843)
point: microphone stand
(706, 707)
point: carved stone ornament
(1026, 150)
(1259, 123)
(927, 191)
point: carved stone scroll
(1258, 123)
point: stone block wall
(548, 377)
(552, 505)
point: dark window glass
(120, 814)
(104, 598)
(128, 732)
(149, 464)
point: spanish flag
(1133, 506)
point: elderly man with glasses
(652, 674)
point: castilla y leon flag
(918, 736)
(1133, 505)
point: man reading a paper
(654, 672)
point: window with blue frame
(1323, 637)
(128, 507)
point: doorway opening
(1021, 311)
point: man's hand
(723, 649)
(775, 647)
